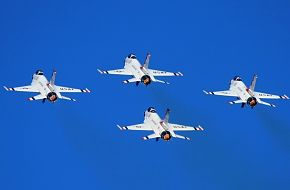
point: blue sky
(76, 145)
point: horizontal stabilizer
(237, 102)
(153, 136)
(37, 97)
(161, 81)
(131, 80)
(67, 98)
(181, 137)
(266, 103)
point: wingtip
(205, 91)
(5, 88)
(86, 90)
(286, 97)
(120, 127)
(201, 128)
(100, 71)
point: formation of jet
(246, 95)
(140, 73)
(47, 89)
(161, 127)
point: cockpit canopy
(39, 72)
(237, 78)
(132, 56)
(151, 110)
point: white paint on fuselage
(41, 83)
(136, 68)
(156, 123)
(241, 90)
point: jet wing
(222, 93)
(138, 127)
(269, 96)
(116, 72)
(177, 127)
(68, 89)
(22, 89)
(164, 73)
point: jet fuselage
(157, 124)
(243, 92)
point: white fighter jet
(47, 89)
(246, 95)
(161, 128)
(140, 73)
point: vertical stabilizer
(147, 60)
(52, 80)
(253, 84)
(166, 118)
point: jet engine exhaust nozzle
(52, 97)
(252, 101)
(146, 79)
(165, 135)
